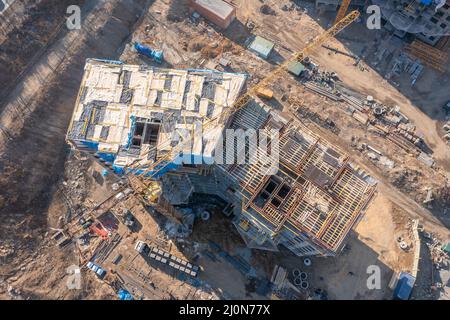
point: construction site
(126, 150)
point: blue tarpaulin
(426, 2)
(404, 286)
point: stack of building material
(173, 261)
(430, 56)
(279, 276)
(320, 90)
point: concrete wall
(428, 22)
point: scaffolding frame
(323, 214)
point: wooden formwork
(324, 213)
(293, 152)
(443, 44)
(429, 55)
(352, 191)
(250, 176)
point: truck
(154, 55)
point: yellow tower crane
(342, 10)
(140, 173)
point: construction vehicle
(147, 188)
(342, 10)
(154, 55)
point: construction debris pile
(406, 180)
(442, 198)
(386, 121)
(307, 114)
(440, 259)
(75, 187)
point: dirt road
(35, 119)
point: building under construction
(306, 197)
(124, 111)
(429, 20)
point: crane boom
(342, 10)
(158, 165)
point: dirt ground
(34, 121)
(30, 26)
(35, 161)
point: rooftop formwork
(123, 111)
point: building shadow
(237, 32)
(233, 271)
(348, 275)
